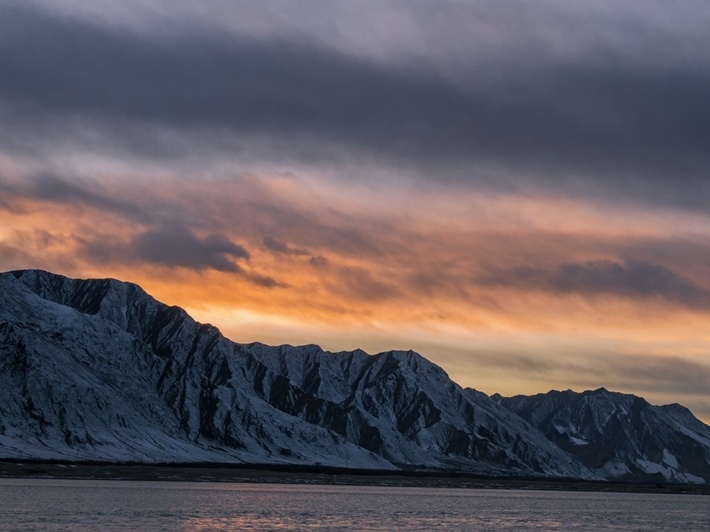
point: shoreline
(317, 475)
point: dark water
(84, 505)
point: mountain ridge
(100, 369)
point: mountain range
(98, 370)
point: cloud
(264, 280)
(607, 125)
(660, 375)
(318, 261)
(628, 373)
(279, 247)
(360, 283)
(189, 223)
(633, 279)
(218, 220)
(27, 247)
(76, 193)
(89, 194)
(175, 246)
(518, 363)
(15, 258)
(432, 148)
(659, 379)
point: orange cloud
(264, 261)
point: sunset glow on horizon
(519, 194)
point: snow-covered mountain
(621, 436)
(99, 370)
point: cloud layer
(603, 277)
(518, 191)
(603, 124)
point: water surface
(83, 505)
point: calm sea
(82, 505)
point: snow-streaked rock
(99, 370)
(624, 436)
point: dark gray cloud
(633, 279)
(279, 247)
(58, 190)
(351, 236)
(264, 280)
(603, 127)
(660, 375)
(146, 204)
(76, 193)
(172, 246)
(175, 246)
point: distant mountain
(621, 436)
(99, 370)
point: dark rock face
(97, 369)
(621, 436)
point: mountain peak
(99, 370)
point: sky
(518, 190)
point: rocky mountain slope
(99, 370)
(619, 435)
